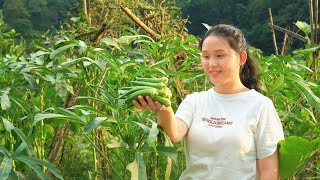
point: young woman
(231, 130)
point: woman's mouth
(214, 72)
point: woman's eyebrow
(216, 50)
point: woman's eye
(220, 56)
(205, 57)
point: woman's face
(220, 62)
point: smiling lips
(214, 72)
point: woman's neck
(230, 89)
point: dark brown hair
(236, 40)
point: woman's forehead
(215, 43)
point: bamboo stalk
(85, 7)
(315, 57)
(316, 21)
(273, 33)
(140, 23)
(42, 138)
(94, 156)
(89, 11)
(311, 20)
(293, 34)
(285, 42)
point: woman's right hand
(147, 103)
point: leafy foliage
(68, 81)
(252, 17)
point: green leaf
(294, 153)
(111, 42)
(61, 86)
(160, 63)
(277, 85)
(153, 135)
(100, 101)
(4, 151)
(32, 164)
(75, 61)
(22, 147)
(305, 90)
(15, 175)
(303, 26)
(40, 116)
(137, 168)
(145, 128)
(83, 47)
(5, 101)
(307, 50)
(73, 116)
(316, 143)
(58, 52)
(207, 26)
(5, 167)
(32, 82)
(52, 168)
(168, 168)
(93, 124)
(129, 39)
(117, 144)
(170, 152)
(38, 53)
(9, 126)
(91, 109)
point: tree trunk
(57, 143)
(105, 167)
(60, 132)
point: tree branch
(293, 34)
(140, 23)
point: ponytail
(249, 74)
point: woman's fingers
(146, 103)
(137, 104)
(158, 105)
(151, 103)
(143, 102)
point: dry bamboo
(140, 23)
(85, 7)
(293, 34)
(273, 33)
(311, 21)
(284, 46)
(316, 19)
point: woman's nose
(212, 62)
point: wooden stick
(273, 33)
(85, 7)
(316, 21)
(89, 11)
(293, 34)
(315, 55)
(285, 40)
(140, 23)
(101, 30)
(311, 20)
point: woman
(231, 130)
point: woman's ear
(243, 57)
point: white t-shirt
(227, 134)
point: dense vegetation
(30, 17)
(61, 117)
(251, 16)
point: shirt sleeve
(269, 131)
(185, 110)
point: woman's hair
(236, 40)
